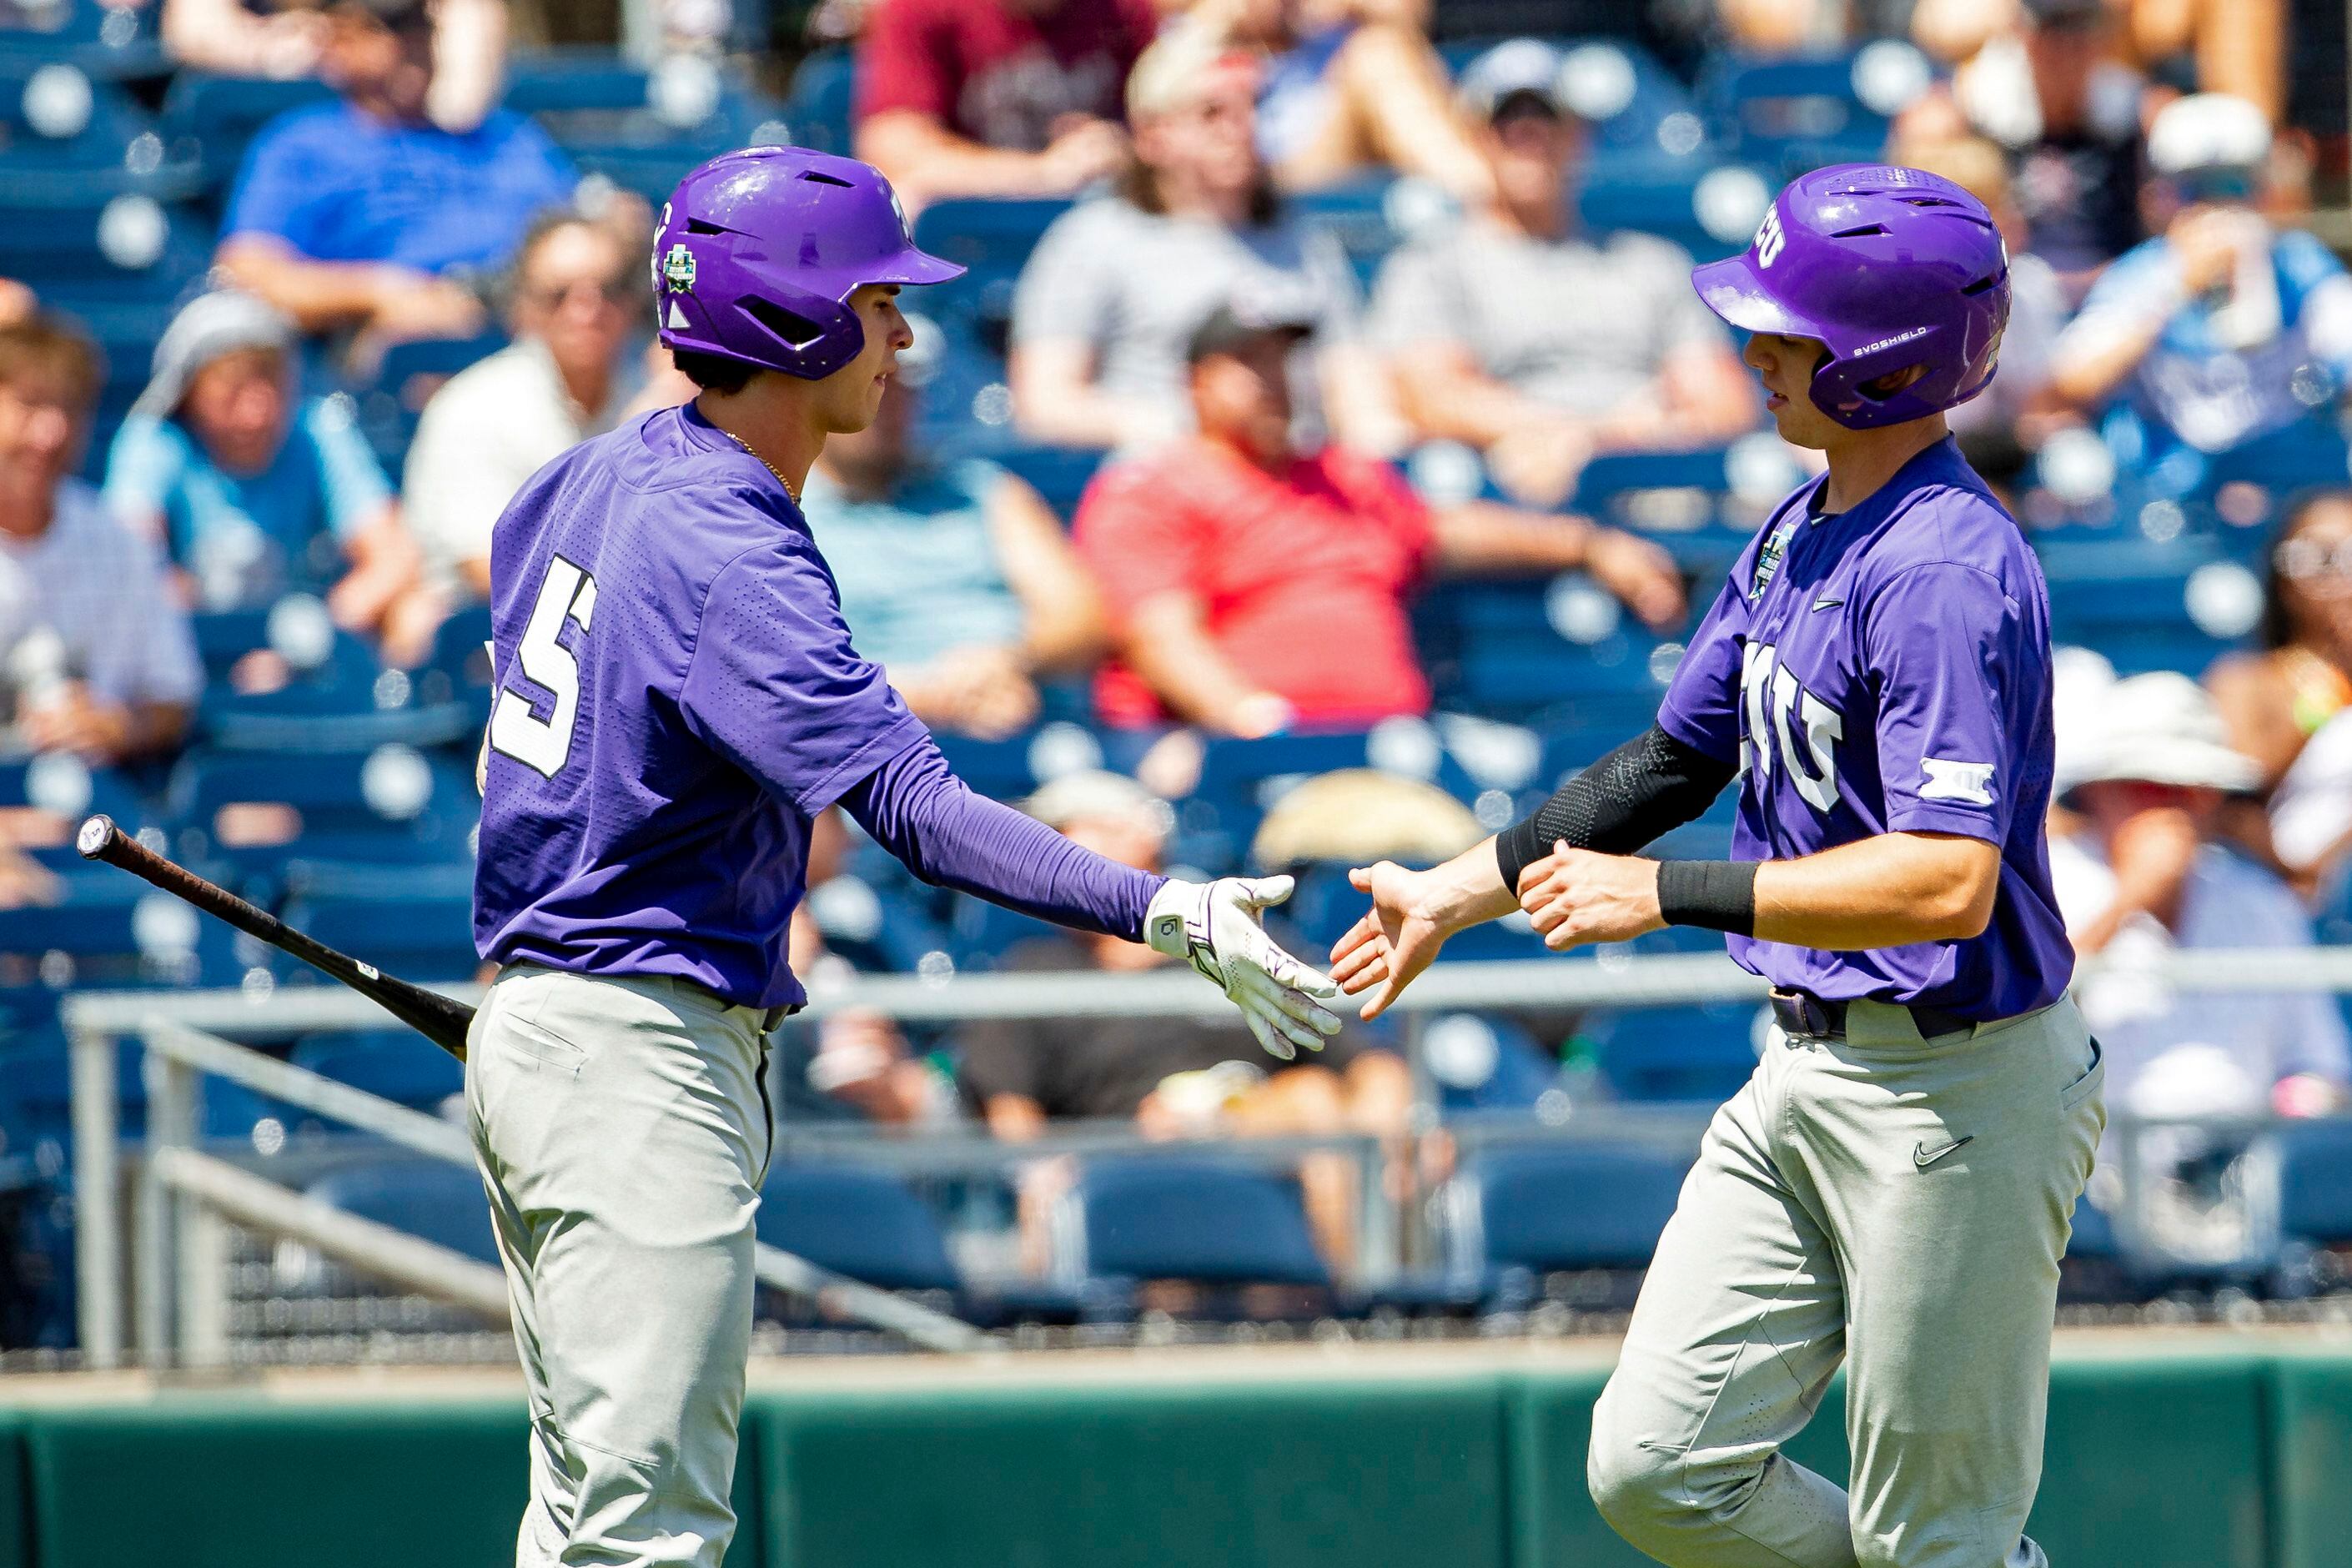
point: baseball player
(1893, 1188)
(677, 700)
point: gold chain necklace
(769, 466)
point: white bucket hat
(2160, 727)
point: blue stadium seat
(1529, 1210)
(542, 81)
(102, 267)
(1356, 214)
(69, 141)
(860, 1223)
(431, 1199)
(110, 43)
(393, 792)
(422, 937)
(817, 108)
(1059, 474)
(2315, 1181)
(69, 787)
(2095, 1233)
(1792, 114)
(2128, 598)
(405, 380)
(217, 116)
(394, 1064)
(1703, 1052)
(1188, 1219)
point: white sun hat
(2160, 728)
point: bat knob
(95, 836)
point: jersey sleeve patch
(1950, 780)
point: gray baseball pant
(1830, 1219)
(623, 1135)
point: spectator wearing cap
(246, 484)
(1535, 343)
(2223, 329)
(1255, 585)
(996, 97)
(285, 40)
(579, 362)
(2142, 877)
(1173, 1076)
(1346, 86)
(2046, 79)
(363, 214)
(2285, 703)
(118, 674)
(1118, 284)
(956, 577)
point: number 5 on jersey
(516, 729)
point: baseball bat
(436, 1017)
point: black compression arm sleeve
(1648, 786)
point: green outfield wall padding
(2178, 1460)
(2311, 1415)
(2157, 1463)
(230, 1482)
(1399, 1473)
(16, 1544)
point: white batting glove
(1215, 928)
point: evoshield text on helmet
(759, 251)
(1891, 269)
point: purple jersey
(677, 700)
(1886, 671)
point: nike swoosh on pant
(1923, 1156)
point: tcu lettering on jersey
(1776, 706)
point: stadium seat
(217, 117)
(1059, 474)
(433, 1200)
(817, 109)
(405, 380)
(108, 42)
(1799, 113)
(394, 792)
(118, 262)
(67, 140)
(860, 1223)
(394, 1064)
(422, 937)
(2313, 1175)
(1519, 1212)
(1193, 1220)
(1694, 1053)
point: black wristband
(1719, 895)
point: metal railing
(185, 1196)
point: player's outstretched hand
(1214, 927)
(1394, 942)
(1575, 895)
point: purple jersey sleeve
(1702, 705)
(917, 808)
(773, 685)
(1946, 643)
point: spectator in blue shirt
(252, 490)
(363, 214)
(2224, 329)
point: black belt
(1823, 1018)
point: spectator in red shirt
(996, 97)
(1255, 587)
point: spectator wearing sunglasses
(578, 364)
(2286, 704)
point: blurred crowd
(1246, 561)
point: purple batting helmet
(1891, 268)
(758, 251)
